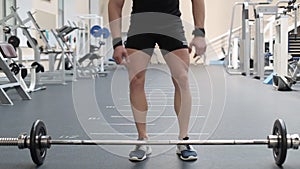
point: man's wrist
(199, 32)
(117, 42)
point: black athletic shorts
(167, 33)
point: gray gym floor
(224, 107)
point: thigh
(137, 64)
(178, 62)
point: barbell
(38, 142)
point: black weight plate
(39, 67)
(279, 152)
(14, 68)
(35, 42)
(6, 30)
(14, 41)
(24, 71)
(38, 154)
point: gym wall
(74, 8)
(48, 23)
(45, 6)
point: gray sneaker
(186, 152)
(140, 153)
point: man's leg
(178, 62)
(137, 65)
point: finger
(191, 45)
(198, 51)
(115, 59)
(201, 51)
(125, 54)
(190, 49)
(123, 60)
(195, 55)
(118, 60)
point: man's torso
(164, 6)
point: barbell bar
(38, 142)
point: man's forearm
(198, 13)
(115, 14)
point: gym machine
(242, 48)
(285, 73)
(68, 61)
(259, 41)
(243, 68)
(90, 45)
(8, 51)
(15, 41)
(21, 24)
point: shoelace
(187, 146)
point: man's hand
(120, 55)
(200, 45)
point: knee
(182, 81)
(137, 82)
